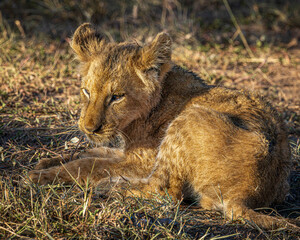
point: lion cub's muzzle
(93, 129)
(98, 133)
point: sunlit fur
(226, 148)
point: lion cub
(226, 148)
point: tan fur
(227, 148)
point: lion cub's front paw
(44, 163)
(41, 176)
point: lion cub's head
(120, 82)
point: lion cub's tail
(259, 219)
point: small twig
(262, 63)
(13, 233)
(265, 76)
(233, 19)
(57, 154)
(258, 60)
(20, 28)
(33, 129)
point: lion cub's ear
(154, 60)
(156, 53)
(86, 41)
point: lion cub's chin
(100, 139)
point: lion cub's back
(212, 149)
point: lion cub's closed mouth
(229, 147)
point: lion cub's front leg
(80, 170)
(116, 166)
(101, 152)
(51, 162)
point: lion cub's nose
(93, 128)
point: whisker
(123, 134)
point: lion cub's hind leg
(239, 210)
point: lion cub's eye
(115, 98)
(86, 93)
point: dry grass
(39, 107)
